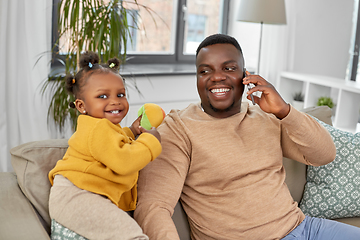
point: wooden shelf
(345, 94)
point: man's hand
(270, 100)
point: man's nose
(218, 76)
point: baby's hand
(135, 127)
(152, 131)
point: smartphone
(250, 86)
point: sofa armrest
(17, 216)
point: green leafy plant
(325, 101)
(87, 25)
(298, 96)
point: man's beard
(220, 110)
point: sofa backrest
(33, 161)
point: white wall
(322, 36)
(317, 36)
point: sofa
(24, 192)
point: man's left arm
(305, 140)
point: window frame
(354, 62)
(176, 57)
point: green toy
(152, 115)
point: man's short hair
(218, 38)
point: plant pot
(299, 105)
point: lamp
(262, 11)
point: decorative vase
(299, 105)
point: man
(223, 158)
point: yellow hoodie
(103, 158)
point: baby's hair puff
(89, 64)
(114, 64)
(88, 60)
(72, 87)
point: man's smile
(219, 90)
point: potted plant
(87, 25)
(298, 100)
(325, 101)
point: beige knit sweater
(228, 173)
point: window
(171, 30)
(353, 68)
(196, 28)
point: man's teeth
(219, 90)
(115, 112)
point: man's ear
(80, 106)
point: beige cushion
(32, 163)
(18, 219)
(323, 113)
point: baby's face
(104, 96)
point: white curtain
(25, 34)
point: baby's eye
(121, 95)
(103, 96)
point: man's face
(219, 79)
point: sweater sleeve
(117, 152)
(129, 132)
(305, 140)
(159, 193)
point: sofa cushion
(18, 219)
(333, 191)
(32, 162)
(58, 231)
(323, 113)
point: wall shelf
(345, 94)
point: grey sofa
(24, 193)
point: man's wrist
(283, 112)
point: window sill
(137, 70)
(157, 69)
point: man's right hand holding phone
(270, 100)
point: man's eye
(230, 68)
(103, 96)
(205, 71)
